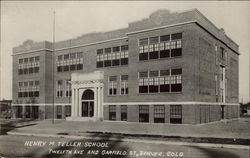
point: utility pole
(53, 67)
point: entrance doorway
(88, 103)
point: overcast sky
(33, 20)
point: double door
(87, 108)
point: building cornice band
(33, 51)
(137, 103)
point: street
(30, 146)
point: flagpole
(53, 67)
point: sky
(33, 20)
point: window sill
(112, 67)
(160, 93)
(160, 59)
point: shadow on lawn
(114, 144)
(213, 153)
(13, 124)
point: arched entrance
(88, 103)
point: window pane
(124, 47)
(116, 49)
(66, 56)
(79, 54)
(176, 71)
(20, 61)
(112, 78)
(153, 40)
(164, 38)
(107, 50)
(124, 77)
(153, 73)
(25, 60)
(164, 72)
(37, 58)
(143, 41)
(143, 74)
(176, 36)
(72, 55)
(59, 58)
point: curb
(136, 140)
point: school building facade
(167, 68)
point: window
(143, 113)
(27, 112)
(107, 57)
(28, 65)
(164, 38)
(70, 62)
(159, 113)
(19, 111)
(67, 111)
(66, 56)
(79, 55)
(118, 56)
(59, 57)
(36, 69)
(112, 112)
(176, 80)
(116, 49)
(66, 68)
(222, 53)
(143, 82)
(176, 114)
(68, 88)
(36, 94)
(59, 88)
(216, 54)
(143, 41)
(164, 46)
(143, 46)
(20, 94)
(31, 70)
(59, 111)
(26, 60)
(31, 59)
(124, 58)
(153, 40)
(37, 83)
(164, 81)
(153, 81)
(160, 81)
(99, 58)
(154, 47)
(37, 58)
(143, 53)
(25, 94)
(72, 55)
(20, 71)
(20, 61)
(73, 67)
(176, 44)
(160, 47)
(124, 47)
(25, 71)
(112, 85)
(124, 84)
(124, 110)
(31, 94)
(79, 66)
(115, 57)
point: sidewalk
(228, 132)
